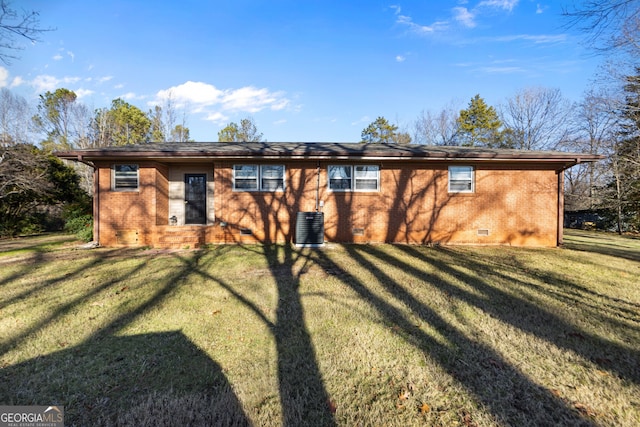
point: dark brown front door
(195, 198)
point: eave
(180, 152)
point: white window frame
(260, 176)
(354, 179)
(118, 176)
(456, 176)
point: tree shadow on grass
(140, 380)
(603, 243)
(508, 394)
(303, 397)
(529, 317)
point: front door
(195, 198)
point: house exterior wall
(512, 204)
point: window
(354, 178)
(254, 177)
(366, 178)
(125, 177)
(461, 179)
(340, 178)
(245, 177)
(272, 177)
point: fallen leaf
(424, 408)
(404, 395)
(466, 419)
(216, 312)
(332, 406)
(585, 410)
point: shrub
(81, 226)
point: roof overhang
(202, 151)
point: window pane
(367, 177)
(367, 184)
(460, 179)
(245, 171)
(272, 184)
(339, 177)
(245, 177)
(272, 171)
(272, 177)
(125, 177)
(367, 171)
(246, 184)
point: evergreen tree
(479, 125)
(380, 131)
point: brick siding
(512, 204)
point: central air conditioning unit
(310, 229)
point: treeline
(605, 122)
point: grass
(344, 335)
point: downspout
(96, 201)
(318, 186)
(560, 224)
(96, 198)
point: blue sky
(304, 70)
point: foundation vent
(483, 232)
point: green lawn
(344, 335)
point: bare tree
(610, 25)
(15, 26)
(15, 118)
(437, 129)
(538, 116)
(596, 124)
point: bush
(81, 226)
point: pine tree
(479, 125)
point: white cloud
(251, 99)
(45, 83)
(217, 118)
(538, 39)
(130, 96)
(4, 77)
(400, 58)
(363, 119)
(83, 92)
(201, 96)
(421, 29)
(71, 55)
(17, 81)
(501, 70)
(280, 122)
(192, 93)
(57, 57)
(464, 16)
(104, 79)
(499, 4)
(540, 9)
(118, 86)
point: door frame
(203, 219)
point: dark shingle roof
(319, 151)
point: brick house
(190, 194)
